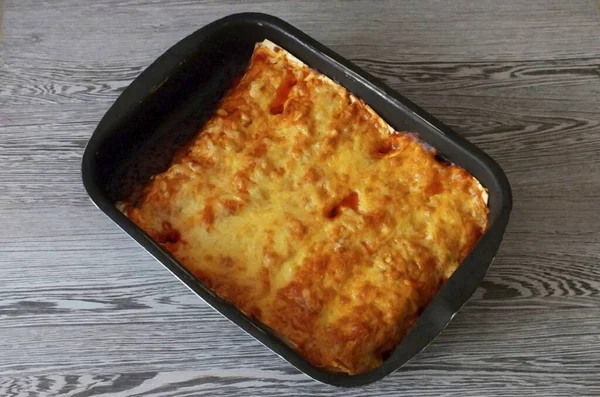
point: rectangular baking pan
(168, 103)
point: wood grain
(85, 311)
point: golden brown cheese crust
(297, 204)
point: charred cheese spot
(299, 205)
(168, 234)
(350, 201)
(282, 93)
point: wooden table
(85, 311)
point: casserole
(175, 96)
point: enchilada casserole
(302, 207)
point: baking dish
(171, 99)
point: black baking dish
(171, 99)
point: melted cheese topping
(301, 206)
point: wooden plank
(421, 30)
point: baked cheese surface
(298, 204)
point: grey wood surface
(85, 311)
